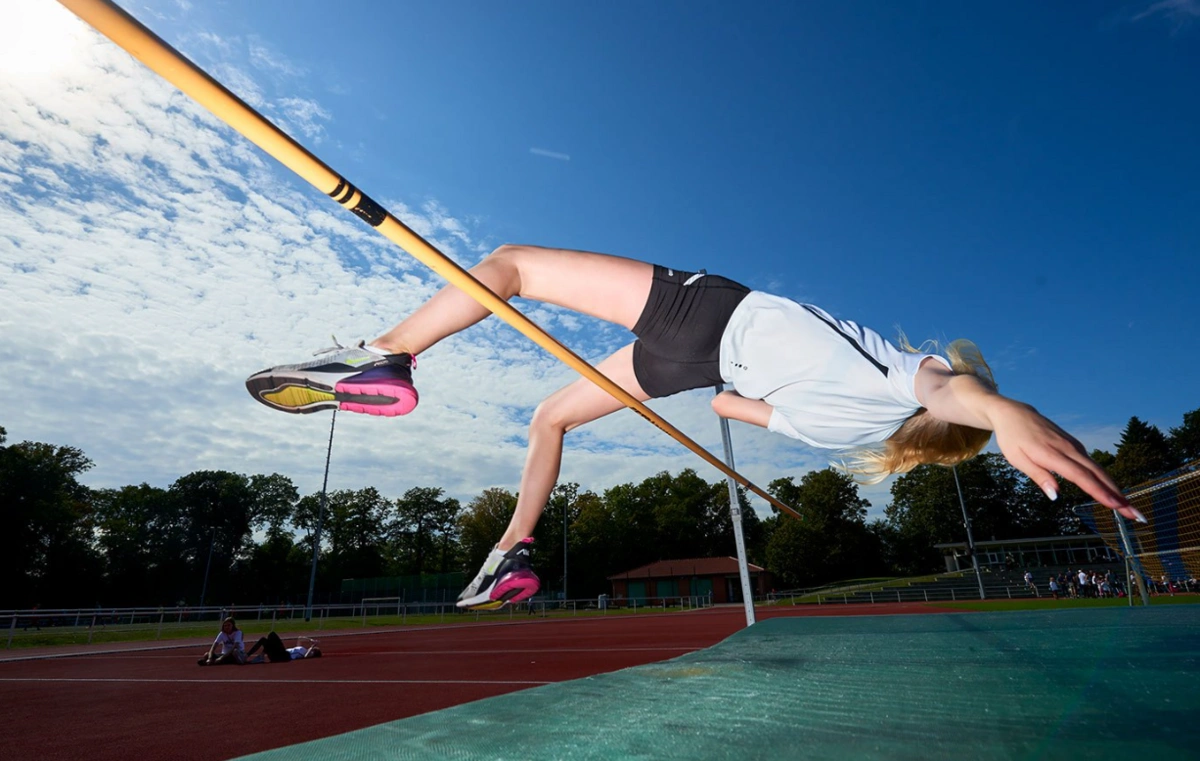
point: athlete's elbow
(720, 404)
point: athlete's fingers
(1087, 475)
(1110, 494)
(1041, 462)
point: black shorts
(276, 651)
(679, 331)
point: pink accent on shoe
(405, 395)
(524, 582)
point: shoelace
(337, 346)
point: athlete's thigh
(583, 401)
(611, 288)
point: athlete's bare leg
(611, 288)
(564, 410)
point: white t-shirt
(831, 383)
(229, 643)
(297, 652)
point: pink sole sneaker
(517, 586)
(404, 395)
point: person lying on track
(794, 368)
(276, 652)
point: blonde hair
(923, 439)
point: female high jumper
(794, 370)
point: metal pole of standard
(1132, 564)
(1128, 577)
(735, 512)
(566, 510)
(970, 539)
(312, 576)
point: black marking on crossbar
(369, 211)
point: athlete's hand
(1038, 448)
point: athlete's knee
(551, 416)
(506, 262)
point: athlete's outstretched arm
(1030, 442)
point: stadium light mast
(312, 576)
(970, 539)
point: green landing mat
(1073, 684)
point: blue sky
(1021, 174)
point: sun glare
(37, 38)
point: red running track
(108, 704)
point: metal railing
(80, 626)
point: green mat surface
(1073, 684)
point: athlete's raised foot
(353, 379)
(505, 577)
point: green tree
(482, 525)
(423, 532)
(277, 571)
(831, 540)
(548, 536)
(354, 531)
(753, 529)
(687, 515)
(595, 538)
(925, 509)
(665, 517)
(1144, 453)
(215, 510)
(46, 551)
(275, 498)
(139, 533)
(1185, 440)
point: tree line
(219, 537)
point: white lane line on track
(279, 681)
(490, 651)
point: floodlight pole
(735, 512)
(970, 539)
(312, 576)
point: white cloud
(550, 154)
(1178, 12)
(151, 259)
(262, 57)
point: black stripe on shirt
(849, 339)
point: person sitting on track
(795, 370)
(276, 652)
(233, 649)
